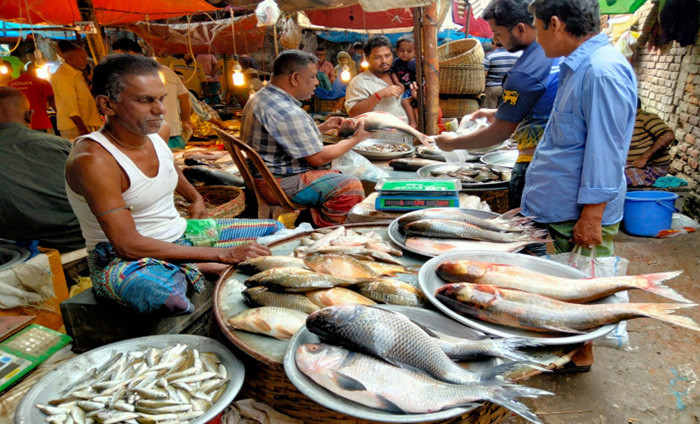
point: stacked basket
(462, 77)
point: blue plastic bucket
(648, 212)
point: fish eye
(314, 348)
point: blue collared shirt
(581, 157)
(275, 125)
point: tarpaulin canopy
(618, 7)
(204, 37)
(107, 12)
(12, 30)
(354, 17)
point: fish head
(462, 270)
(326, 322)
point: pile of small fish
(282, 289)
(171, 385)
(473, 173)
(436, 231)
(516, 297)
(390, 363)
(383, 147)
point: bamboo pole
(432, 91)
(418, 39)
(95, 41)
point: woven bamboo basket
(269, 384)
(467, 51)
(458, 107)
(223, 202)
(462, 79)
(496, 199)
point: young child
(403, 73)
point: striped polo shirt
(497, 63)
(648, 127)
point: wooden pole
(432, 91)
(95, 41)
(420, 80)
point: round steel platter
(427, 171)
(319, 394)
(504, 158)
(398, 238)
(228, 299)
(55, 382)
(371, 155)
(430, 282)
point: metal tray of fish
(442, 171)
(429, 281)
(504, 158)
(319, 394)
(55, 382)
(375, 149)
(229, 301)
(398, 238)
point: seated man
(374, 89)
(120, 183)
(648, 159)
(289, 142)
(34, 205)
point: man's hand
(332, 124)
(489, 114)
(187, 126)
(197, 210)
(641, 162)
(244, 252)
(588, 229)
(390, 91)
(445, 142)
(360, 132)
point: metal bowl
(381, 155)
(427, 171)
(319, 394)
(55, 382)
(430, 282)
(504, 158)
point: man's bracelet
(377, 96)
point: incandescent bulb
(4, 70)
(238, 79)
(43, 72)
(345, 74)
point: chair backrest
(241, 153)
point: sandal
(570, 368)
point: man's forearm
(663, 142)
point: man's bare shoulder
(89, 160)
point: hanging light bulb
(238, 79)
(43, 72)
(4, 70)
(364, 64)
(345, 74)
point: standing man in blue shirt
(576, 182)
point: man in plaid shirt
(289, 142)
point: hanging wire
(19, 36)
(189, 46)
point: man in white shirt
(76, 111)
(373, 89)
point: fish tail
(506, 395)
(663, 311)
(510, 214)
(535, 236)
(653, 283)
(510, 345)
(499, 370)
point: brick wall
(669, 85)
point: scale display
(407, 203)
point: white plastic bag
(290, 37)
(353, 163)
(267, 13)
(601, 267)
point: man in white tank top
(120, 182)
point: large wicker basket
(458, 107)
(462, 79)
(496, 199)
(467, 51)
(223, 202)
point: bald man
(34, 204)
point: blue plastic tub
(648, 212)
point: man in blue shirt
(529, 89)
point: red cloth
(37, 90)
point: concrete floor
(657, 380)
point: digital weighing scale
(409, 194)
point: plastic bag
(626, 43)
(290, 37)
(202, 232)
(267, 13)
(353, 163)
(678, 221)
(601, 267)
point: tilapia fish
(534, 312)
(295, 280)
(262, 296)
(280, 323)
(337, 296)
(504, 222)
(566, 289)
(443, 228)
(393, 292)
(263, 263)
(390, 336)
(377, 384)
(436, 247)
(340, 266)
(411, 164)
(376, 121)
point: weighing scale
(409, 194)
(25, 350)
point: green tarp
(619, 7)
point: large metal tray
(430, 282)
(381, 155)
(504, 158)
(494, 185)
(317, 393)
(398, 238)
(54, 383)
(228, 300)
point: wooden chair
(242, 155)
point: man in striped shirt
(648, 157)
(496, 64)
